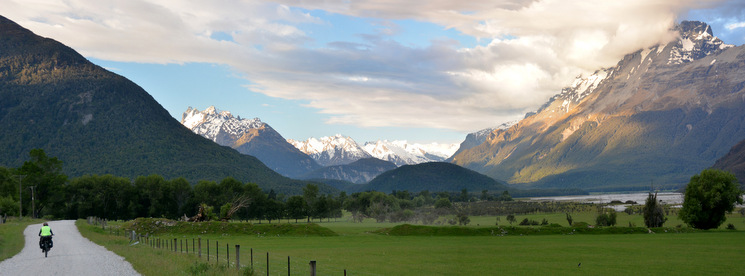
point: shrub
(463, 219)
(731, 226)
(569, 219)
(606, 219)
(511, 218)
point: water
(674, 199)
(666, 198)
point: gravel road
(72, 254)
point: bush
(528, 222)
(511, 218)
(606, 219)
(731, 226)
(463, 219)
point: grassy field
(360, 251)
(11, 236)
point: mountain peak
(696, 41)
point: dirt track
(72, 255)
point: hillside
(734, 162)
(660, 115)
(98, 122)
(358, 172)
(433, 176)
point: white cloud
(536, 48)
(733, 26)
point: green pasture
(360, 250)
(11, 236)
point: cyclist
(45, 233)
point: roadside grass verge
(149, 261)
(11, 236)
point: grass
(365, 249)
(11, 236)
(148, 261)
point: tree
(442, 203)
(708, 197)
(511, 218)
(45, 175)
(310, 194)
(654, 215)
(505, 196)
(569, 219)
(296, 207)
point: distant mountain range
(98, 122)
(331, 151)
(338, 150)
(334, 157)
(357, 172)
(660, 115)
(252, 137)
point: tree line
(46, 192)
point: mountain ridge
(661, 114)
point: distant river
(639, 198)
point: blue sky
(429, 71)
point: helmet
(46, 224)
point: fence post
(288, 266)
(267, 263)
(227, 251)
(252, 259)
(200, 247)
(192, 245)
(175, 245)
(181, 242)
(208, 250)
(237, 257)
(312, 268)
(217, 252)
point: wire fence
(261, 261)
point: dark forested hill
(98, 122)
(433, 176)
(734, 162)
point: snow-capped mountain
(402, 153)
(663, 113)
(218, 126)
(331, 150)
(479, 137)
(339, 150)
(249, 136)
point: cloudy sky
(423, 71)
